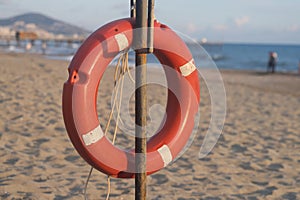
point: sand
(257, 156)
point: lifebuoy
(80, 94)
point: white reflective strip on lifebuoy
(122, 41)
(188, 68)
(93, 136)
(165, 154)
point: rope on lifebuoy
(97, 133)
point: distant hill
(42, 22)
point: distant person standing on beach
(44, 47)
(272, 61)
(18, 38)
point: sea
(253, 56)
(222, 55)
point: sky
(238, 21)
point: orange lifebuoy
(80, 94)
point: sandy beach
(256, 157)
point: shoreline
(225, 57)
(68, 58)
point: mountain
(42, 22)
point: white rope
(108, 188)
(121, 75)
(86, 183)
(118, 88)
(125, 67)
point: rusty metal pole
(150, 37)
(140, 38)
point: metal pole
(150, 26)
(132, 8)
(140, 37)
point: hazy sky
(263, 21)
